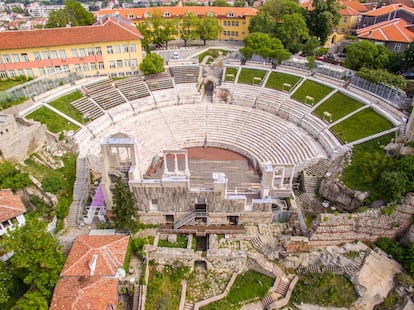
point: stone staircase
(188, 306)
(282, 287)
(269, 299)
(189, 218)
(320, 168)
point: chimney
(92, 264)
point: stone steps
(282, 287)
(188, 306)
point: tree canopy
(292, 32)
(72, 14)
(152, 63)
(277, 8)
(124, 210)
(11, 178)
(264, 45)
(208, 29)
(366, 54)
(263, 23)
(188, 30)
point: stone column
(175, 164)
(165, 164)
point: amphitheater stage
(202, 162)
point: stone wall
(168, 256)
(227, 259)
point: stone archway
(208, 85)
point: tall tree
(264, 45)
(72, 14)
(322, 18)
(220, 3)
(409, 55)
(293, 32)
(208, 29)
(263, 23)
(152, 63)
(278, 8)
(366, 54)
(37, 257)
(146, 31)
(188, 30)
(163, 30)
(124, 210)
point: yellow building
(234, 21)
(112, 47)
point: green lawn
(250, 285)
(363, 124)
(8, 103)
(247, 75)
(338, 105)
(230, 70)
(164, 288)
(214, 53)
(181, 243)
(277, 79)
(312, 89)
(63, 104)
(54, 122)
(324, 289)
(9, 83)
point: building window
(397, 47)
(37, 56)
(111, 64)
(127, 63)
(210, 13)
(12, 74)
(132, 48)
(20, 72)
(62, 54)
(90, 51)
(119, 63)
(225, 23)
(66, 68)
(42, 71)
(78, 68)
(3, 75)
(237, 33)
(342, 30)
(109, 49)
(134, 62)
(53, 55)
(345, 19)
(57, 68)
(101, 66)
(82, 52)
(224, 33)
(98, 50)
(131, 16)
(228, 33)
(117, 49)
(167, 14)
(6, 59)
(29, 72)
(232, 23)
(85, 67)
(49, 69)
(45, 54)
(232, 33)
(237, 24)
(125, 48)
(93, 66)
(74, 52)
(15, 58)
(231, 14)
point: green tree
(392, 185)
(52, 184)
(277, 8)
(37, 257)
(406, 165)
(264, 45)
(124, 209)
(152, 63)
(72, 14)
(146, 31)
(366, 54)
(5, 283)
(11, 178)
(239, 3)
(163, 30)
(263, 23)
(32, 300)
(309, 47)
(188, 30)
(409, 55)
(208, 29)
(322, 18)
(220, 3)
(382, 76)
(293, 32)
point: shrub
(52, 184)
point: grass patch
(9, 103)
(9, 83)
(54, 122)
(361, 125)
(214, 53)
(248, 286)
(63, 104)
(324, 289)
(180, 243)
(309, 218)
(313, 89)
(164, 288)
(247, 75)
(229, 71)
(277, 79)
(338, 105)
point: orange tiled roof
(177, 11)
(391, 30)
(110, 251)
(10, 205)
(79, 293)
(388, 9)
(109, 30)
(351, 8)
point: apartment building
(111, 47)
(234, 21)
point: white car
(175, 55)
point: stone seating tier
(88, 108)
(98, 86)
(133, 88)
(185, 74)
(109, 99)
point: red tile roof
(390, 31)
(10, 205)
(81, 293)
(109, 30)
(110, 254)
(351, 8)
(181, 11)
(389, 9)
